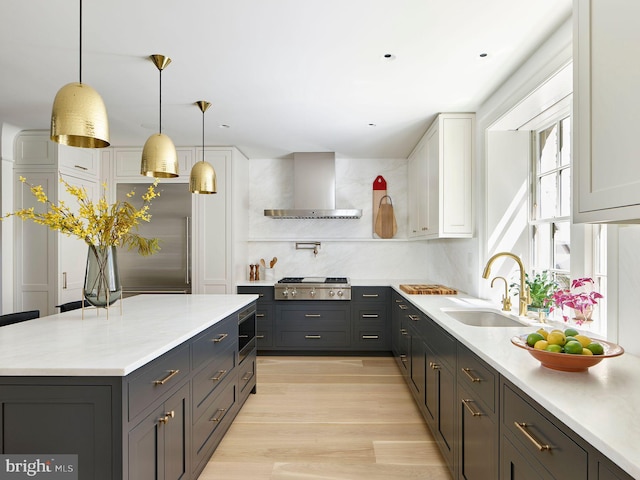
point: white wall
(347, 246)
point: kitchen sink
(482, 318)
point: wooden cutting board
(427, 289)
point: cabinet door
(72, 251)
(145, 445)
(516, 466)
(478, 439)
(177, 435)
(417, 191)
(606, 171)
(417, 366)
(431, 186)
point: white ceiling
(285, 75)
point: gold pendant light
(78, 116)
(203, 176)
(159, 157)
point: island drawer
(477, 377)
(538, 437)
(247, 376)
(151, 382)
(214, 340)
(208, 380)
(210, 427)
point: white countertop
(150, 325)
(601, 405)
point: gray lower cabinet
(309, 325)
(371, 328)
(264, 314)
(162, 421)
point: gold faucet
(506, 300)
(524, 289)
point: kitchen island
(147, 393)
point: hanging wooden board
(379, 191)
(386, 226)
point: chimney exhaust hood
(314, 189)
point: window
(550, 219)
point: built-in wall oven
(246, 332)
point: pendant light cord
(203, 135)
(80, 62)
(160, 101)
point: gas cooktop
(313, 288)
(323, 280)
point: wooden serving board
(427, 289)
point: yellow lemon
(556, 338)
(583, 339)
(543, 332)
(586, 351)
(542, 345)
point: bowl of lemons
(567, 350)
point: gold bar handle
(403, 358)
(221, 337)
(172, 373)
(312, 315)
(403, 331)
(467, 372)
(473, 412)
(370, 337)
(403, 306)
(370, 315)
(370, 295)
(80, 167)
(219, 375)
(415, 318)
(219, 414)
(313, 337)
(434, 365)
(522, 426)
(64, 280)
(247, 376)
(167, 417)
(259, 315)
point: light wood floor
(328, 418)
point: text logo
(49, 467)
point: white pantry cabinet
(440, 179)
(606, 186)
(49, 267)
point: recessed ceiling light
(482, 55)
(372, 125)
(224, 125)
(388, 57)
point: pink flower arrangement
(581, 297)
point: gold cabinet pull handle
(415, 318)
(219, 375)
(260, 315)
(167, 417)
(403, 331)
(259, 337)
(403, 306)
(522, 426)
(247, 376)
(313, 337)
(221, 337)
(370, 295)
(370, 315)
(370, 337)
(172, 373)
(434, 365)
(403, 358)
(467, 372)
(219, 414)
(474, 413)
(312, 315)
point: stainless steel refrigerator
(169, 270)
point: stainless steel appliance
(313, 288)
(169, 270)
(246, 332)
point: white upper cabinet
(606, 148)
(440, 179)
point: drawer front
(562, 452)
(247, 376)
(317, 320)
(370, 294)
(313, 339)
(265, 294)
(156, 378)
(210, 378)
(217, 416)
(477, 377)
(371, 339)
(214, 340)
(369, 315)
(264, 338)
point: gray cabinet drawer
(214, 340)
(210, 427)
(559, 451)
(313, 339)
(370, 294)
(265, 294)
(210, 378)
(316, 320)
(247, 376)
(156, 378)
(477, 377)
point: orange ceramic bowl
(565, 361)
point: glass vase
(101, 280)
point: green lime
(573, 347)
(554, 348)
(571, 332)
(570, 338)
(596, 348)
(532, 338)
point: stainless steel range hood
(314, 189)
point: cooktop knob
(331, 293)
(285, 293)
(294, 292)
(340, 293)
(312, 292)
